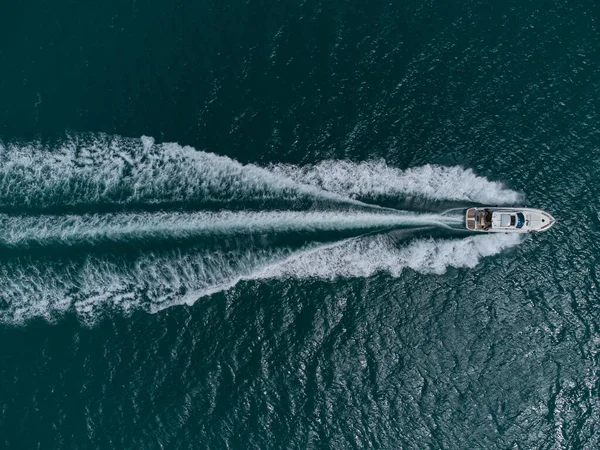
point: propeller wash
(68, 209)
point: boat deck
(507, 220)
(471, 219)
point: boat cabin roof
(507, 219)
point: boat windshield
(520, 220)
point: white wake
(375, 179)
(97, 172)
(18, 231)
(366, 257)
(94, 285)
(101, 169)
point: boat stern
(470, 219)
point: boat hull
(508, 220)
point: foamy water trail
(97, 169)
(100, 169)
(365, 257)
(22, 231)
(89, 171)
(93, 286)
(375, 179)
(361, 258)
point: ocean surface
(238, 225)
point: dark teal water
(220, 225)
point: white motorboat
(508, 220)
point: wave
(364, 258)
(98, 169)
(26, 231)
(93, 286)
(140, 175)
(375, 179)
(101, 169)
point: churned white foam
(100, 169)
(94, 285)
(375, 179)
(92, 169)
(94, 228)
(365, 257)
